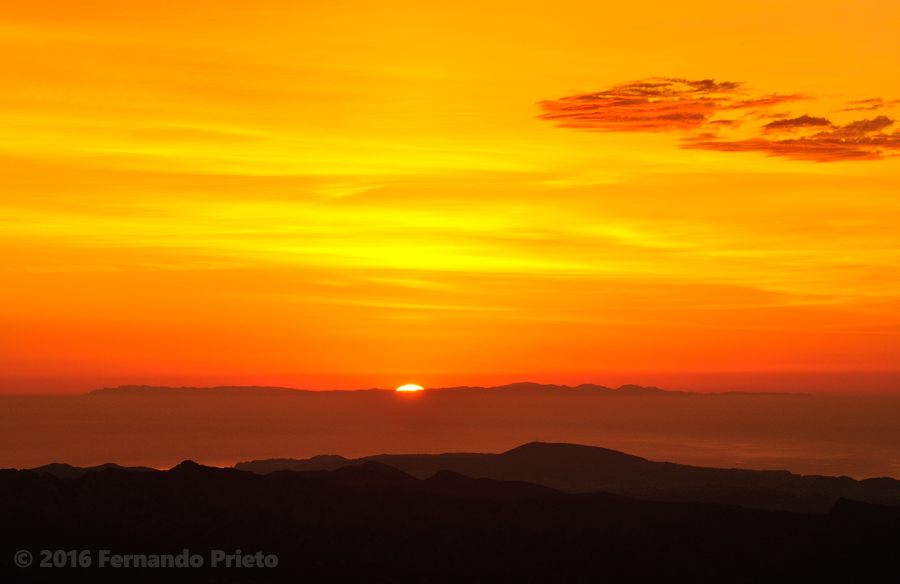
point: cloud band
(699, 109)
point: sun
(410, 387)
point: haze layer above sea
(833, 435)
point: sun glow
(410, 387)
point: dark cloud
(860, 140)
(803, 121)
(696, 109)
(658, 104)
(759, 114)
(766, 101)
(867, 105)
(864, 127)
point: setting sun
(410, 387)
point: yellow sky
(285, 190)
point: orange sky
(342, 195)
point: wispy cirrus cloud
(787, 124)
(867, 105)
(658, 104)
(700, 109)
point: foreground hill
(580, 469)
(374, 523)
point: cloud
(700, 109)
(860, 140)
(658, 104)
(803, 121)
(870, 104)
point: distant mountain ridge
(529, 388)
(520, 388)
(581, 469)
(153, 390)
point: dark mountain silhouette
(372, 523)
(160, 391)
(526, 388)
(443, 482)
(368, 473)
(581, 469)
(446, 482)
(67, 471)
(321, 462)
